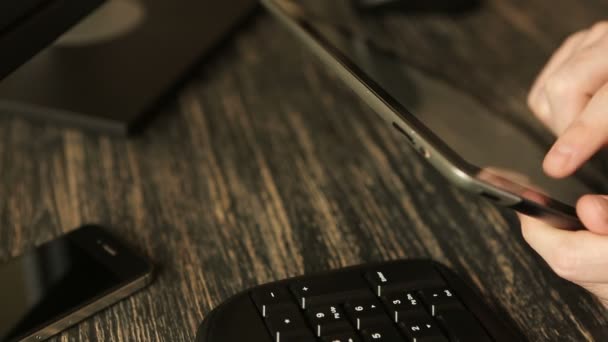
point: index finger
(582, 139)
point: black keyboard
(28, 26)
(415, 300)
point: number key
(422, 329)
(382, 333)
(327, 320)
(402, 306)
(365, 312)
(344, 337)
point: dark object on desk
(108, 79)
(66, 280)
(415, 300)
(27, 26)
(449, 6)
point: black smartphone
(66, 280)
(473, 147)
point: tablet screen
(505, 153)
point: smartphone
(65, 281)
(473, 147)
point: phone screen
(490, 141)
(47, 284)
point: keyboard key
(365, 312)
(271, 297)
(287, 324)
(402, 306)
(294, 336)
(343, 337)
(441, 299)
(271, 310)
(461, 326)
(327, 320)
(382, 333)
(422, 329)
(329, 289)
(304, 338)
(396, 277)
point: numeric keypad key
(287, 324)
(334, 288)
(272, 298)
(422, 329)
(403, 305)
(391, 278)
(365, 312)
(440, 299)
(382, 333)
(327, 320)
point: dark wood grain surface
(264, 166)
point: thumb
(593, 212)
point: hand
(580, 257)
(571, 97)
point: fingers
(595, 33)
(593, 212)
(581, 257)
(572, 85)
(585, 136)
(537, 100)
(571, 78)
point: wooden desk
(264, 166)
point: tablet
(474, 148)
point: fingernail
(602, 205)
(559, 158)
